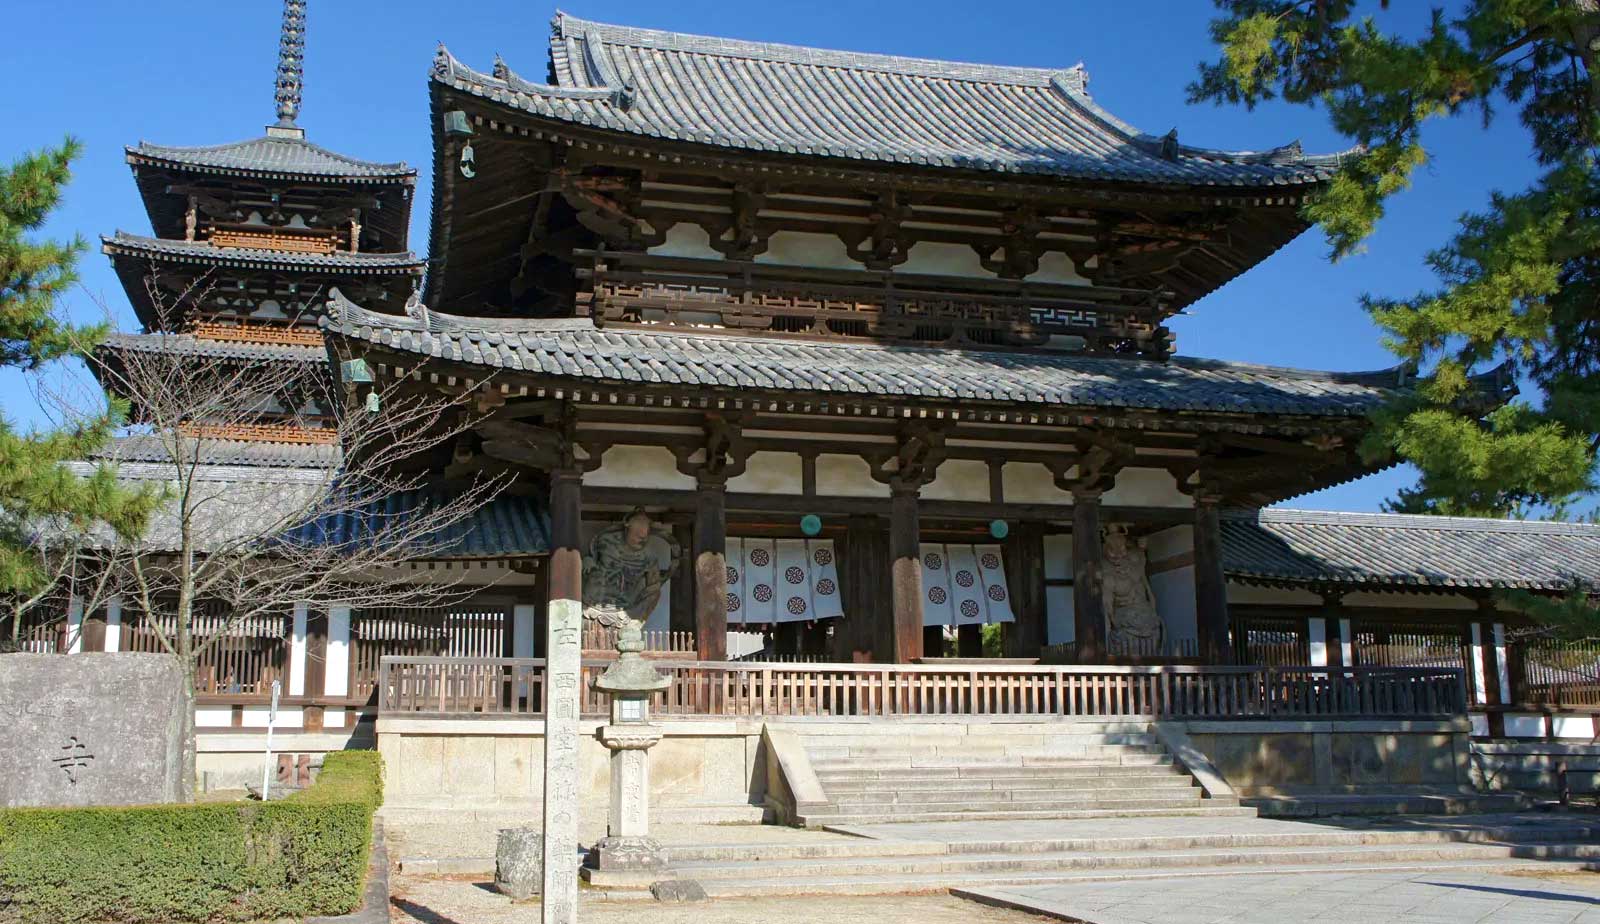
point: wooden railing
(601, 641)
(462, 687)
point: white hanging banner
(992, 569)
(758, 579)
(735, 560)
(966, 588)
(825, 600)
(793, 583)
(936, 609)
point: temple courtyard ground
(1365, 898)
(1528, 867)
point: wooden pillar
(786, 639)
(1491, 654)
(864, 587)
(906, 573)
(316, 650)
(1333, 617)
(680, 609)
(969, 641)
(711, 571)
(1210, 584)
(1088, 604)
(566, 535)
(1023, 554)
(94, 631)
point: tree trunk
(187, 746)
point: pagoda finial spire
(291, 64)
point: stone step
(987, 726)
(1129, 777)
(999, 799)
(983, 750)
(979, 789)
(899, 884)
(1211, 807)
(1127, 758)
(958, 867)
(1091, 800)
(1554, 831)
(866, 744)
(839, 772)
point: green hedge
(244, 861)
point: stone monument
(1136, 626)
(90, 729)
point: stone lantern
(629, 681)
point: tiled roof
(202, 252)
(270, 156)
(189, 345)
(507, 526)
(235, 504)
(207, 451)
(863, 107)
(1314, 547)
(575, 349)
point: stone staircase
(894, 866)
(997, 771)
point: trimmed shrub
(208, 862)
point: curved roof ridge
(1393, 375)
(567, 26)
(263, 155)
(446, 66)
(1168, 146)
(173, 247)
(1415, 521)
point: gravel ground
(468, 900)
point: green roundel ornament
(999, 528)
(811, 524)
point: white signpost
(272, 719)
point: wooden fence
(601, 641)
(1555, 672)
(464, 687)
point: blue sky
(192, 73)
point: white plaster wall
(847, 476)
(337, 679)
(959, 480)
(770, 473)
(1057, 267)
(1174, 588)
(1174, 592)
(1146, 487)
(1573, 726)
(801, 248)
(944, 260)
(1031, 483)
(1524, 725)
(639, 467)
(1170, 543)
(1480, 725)
(213, 716)
(288, 717)
(686, 240)
(333, 717)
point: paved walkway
(1363, 898)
